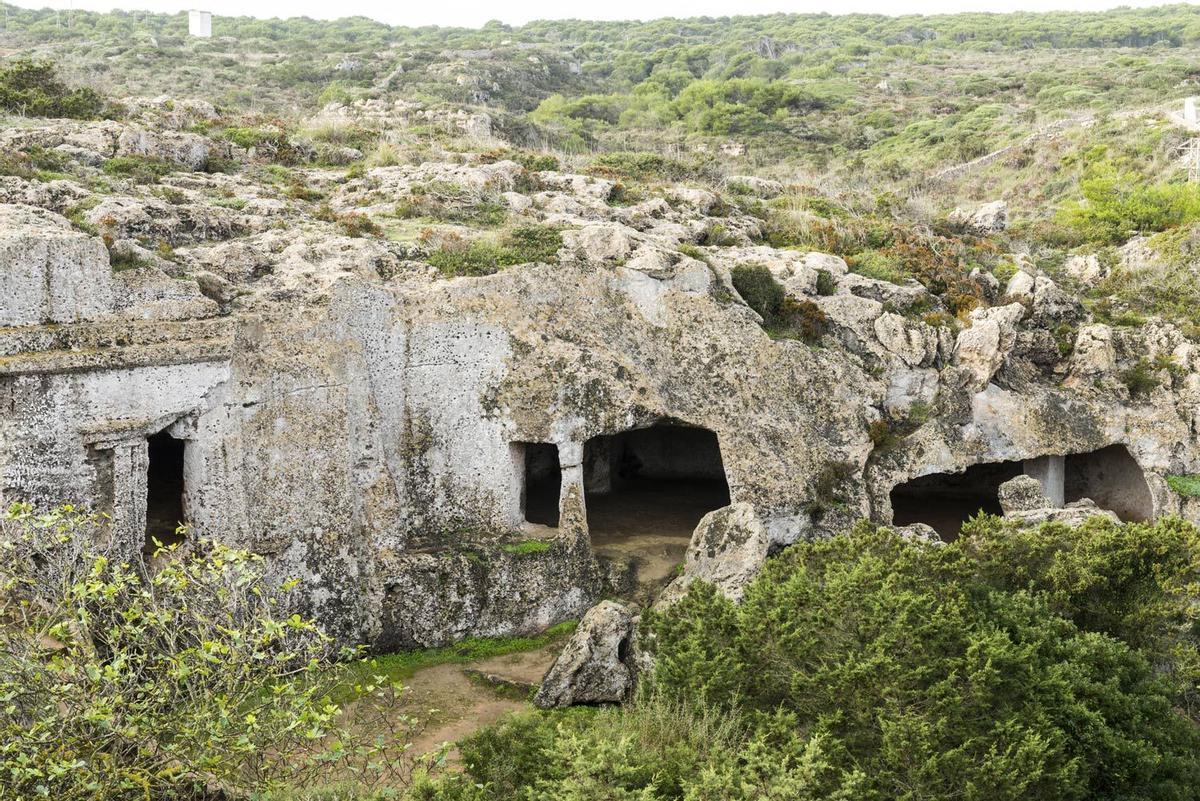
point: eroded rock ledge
(378, 430)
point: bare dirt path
(455, 704)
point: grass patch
(525, 547)
(525, 244)
(139, 169)
(1186, 485)
(401, 666)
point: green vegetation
(1054, 663)
(124, 683)
(455, 255)
(140, 169)
(451, 203)
(527, 547)
(400, 666)
(1186, 485)
(1119, 203)
(783, 317)
(32, 88)
(1139, 378)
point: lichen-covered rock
(600, 242)
(1073, 514)
(990, 218)
(727, 550)
(49, 271)
(1022, 494)
(594, 666)
(1087, 269)
(147, 293)
(982, 348)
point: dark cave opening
(543, 483)
(945, 501)
(657, 481)
(1113, 479)
(164, 490)
(1109, 476)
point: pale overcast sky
(473, 13)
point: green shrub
(122, 682)
(1053, 663)
(1186, 485)
(270, 143)
(800, 319)
(1119, 203)
(783, 317)
(758, 288)
(1139, 378)
(139, 169)
(32, 88)
(358, 225)
(826, 283)
(521, 245)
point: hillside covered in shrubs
(840, 237)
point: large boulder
(982, 348)
(596, 664)
(990, 218)
(1022, 494)
(727, 550)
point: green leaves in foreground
(190, 680)
(1055, 663)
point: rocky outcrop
(360, 419)
(727, 550)
(982, 348)
(595, 666)
(990, 218)
(1073, 514)
(50, 272)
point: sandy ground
(454, 706)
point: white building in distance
(200, 24)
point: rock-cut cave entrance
(542, 482)
(645, 491)
(164, 490)
(1110, 476)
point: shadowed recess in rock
(543, 483)
(656, 481)
(1109, 476)
(164, 489)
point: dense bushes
(783, 317)
(1050, 663)
(194, 679)
(1119, 203)
(33, 88)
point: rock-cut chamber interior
(1110, 476)
(164, 489)
(542, 482)
(656, 481)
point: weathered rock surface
(1073, 514)
(595, 665)
(990, 218)
(359, 419)
(728, 549)
(49, 272)
(1022, 494)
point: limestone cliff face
(361, 421)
